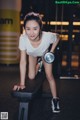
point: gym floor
(68, 91)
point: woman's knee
(31, 76)
(49, 77)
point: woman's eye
(27, 29)
(35, 28)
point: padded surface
(32, 88)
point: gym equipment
(26, 95)
(49, 57)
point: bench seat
(32, 90)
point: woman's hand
(18, 87)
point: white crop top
(47, 39)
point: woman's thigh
(48, 69)
(32, 67)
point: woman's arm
(23, 62)
(55, 43)
(22, 68)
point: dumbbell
(49, 57)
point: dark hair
(33, 16)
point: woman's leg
(50, 77)
(51, 80)
(32, 67)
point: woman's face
(32, 30)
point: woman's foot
(39, 65)
(55, 105)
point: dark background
(48, 8)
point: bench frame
(25, 96)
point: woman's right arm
(23, 62)
(22, 67)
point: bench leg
(23, 111)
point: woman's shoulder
(23, 37)
(47, 34)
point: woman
(35, 42)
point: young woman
(35, 42)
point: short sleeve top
(46, 39)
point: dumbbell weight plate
(49, 57)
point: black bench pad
(32, 88)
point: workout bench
(32, 90)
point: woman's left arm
(55, 43)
